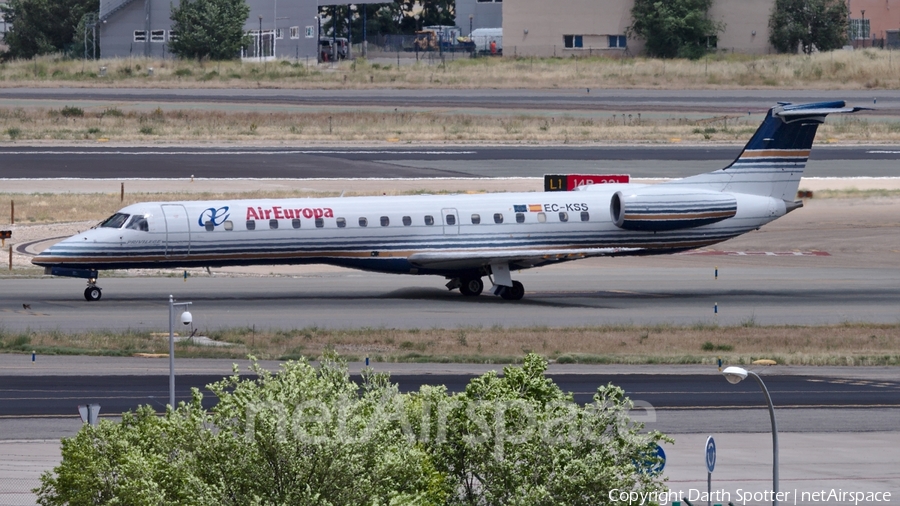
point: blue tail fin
(773, 160)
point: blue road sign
(710, 454)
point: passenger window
(273, 224)
(563, 216)
(585, 216)
(295, 223)
(520, 217)
(429, 220)
(115, 221)
(407, 221)
(385, 221)
(498, 218)
(363, 222)
(451, 219)
(542, 218)
(229, 225)
(341, 222)
(320, 222)
(251, 224)
(209, 226)
(476, 219)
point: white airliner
(461, 237)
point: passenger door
(178, 231)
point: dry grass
(102, 123)
(865, 69)
(847, 344)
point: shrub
(308, 435)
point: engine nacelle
(657, 211)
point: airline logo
(281, 213)
(216, 216)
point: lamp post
(259, 39)
(862, 28)
(735, 375)
(471, 18)
(186, 319)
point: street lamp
(471, 17)
(186, 319)
(259, 39)
(735, 375)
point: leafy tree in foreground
(307, 436)
(211, 29)
(37, 27)
(808, 25)
(674, 28)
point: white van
(482, 37)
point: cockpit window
(115, 221)
(138, 223)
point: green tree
(674, 28)
(312, 436)
(37, 27)
(211, 29)
(808, 25)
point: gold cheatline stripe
(780, 153)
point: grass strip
(850, 344)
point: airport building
(573, 27)
(475, 14)
(286, 29)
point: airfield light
(735, 375)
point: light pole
(186, 319)
(735, 375)
(259, 38)
(471, 18)
(862, 28)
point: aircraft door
(178, 231)
(451, 221)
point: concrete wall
(746, 25)
(484, 15)
(117, 30)
(538, 27)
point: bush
(312, 436)
(72, 112)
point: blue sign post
(710, 466)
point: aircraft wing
(518, 258)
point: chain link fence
(18, 491)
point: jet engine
(657, 211)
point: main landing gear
(473, 286)
(92, 292)
(514, 292)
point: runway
(22, 162)
(589, 293)
(580, 99)
(56, 395)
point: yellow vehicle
(426, 40)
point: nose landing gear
(92, 292)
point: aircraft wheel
(92, 293)
(515, 292)
(471, 287)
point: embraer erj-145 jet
(461, 237)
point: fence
(17, 491)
